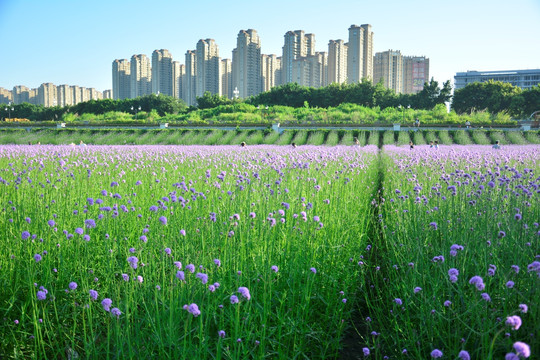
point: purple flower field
(269, 252)
(181, 252)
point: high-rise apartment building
(246, 64)
(76, 94)
(162, 72)
(310, 70)
(188, 82)
(5, 96)
(208, 64)
(226, 78)
(21, 94)
(93, 94)
(388, 68)
(297, 44)
(33, 97)
(65, 96)
(415, 73)
(141, 76)
(271, 71)
(47, 95)
(179, 71)
(85, 94)
(360, 53)
(121, 79)
(337, 62)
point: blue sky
(75, 42)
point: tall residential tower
(246, 64)
(162, 72)
(360, 53)
(141, 76)
(121, 79)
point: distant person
(468, 124)
(411, 145)
(243, 144)
(29, 143)
(436, 144)
(293, 145)
(356, 141)
(417, 122)
(497, 145)
(431, 144)
(82, 143)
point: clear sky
(75, 42)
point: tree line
(492, 97)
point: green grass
(516, 138)
(480, 137)
(461, 137)
(332, 139)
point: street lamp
(136, 110)
(9, 109)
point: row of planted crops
(267, 137)
(223, 252)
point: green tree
(432, 95)
(531, 101)
(209, 100)
(493, 96)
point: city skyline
(455, 40)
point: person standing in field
(411, 145)
(497, 145)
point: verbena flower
(90, 223)
(93, 294)
(193, 309)
(522, 349)
(37, 257)
(436, 354)
(510, 284)
(163, 220)
(313, 270)
(244, 291)
(180, 275)
(221, 334)
(234, 299)
(274, 268)
(132, 260)
(217, 262)
(190, 268)
(365, 351)
(514, 322)
(41, 295)
(25, 235)
(486, 297)
(116, 312)
(72, 285)
(523, 308)
(398, 301)
(417, 289)
(106, 303)
(203, 277)
(464, 355)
